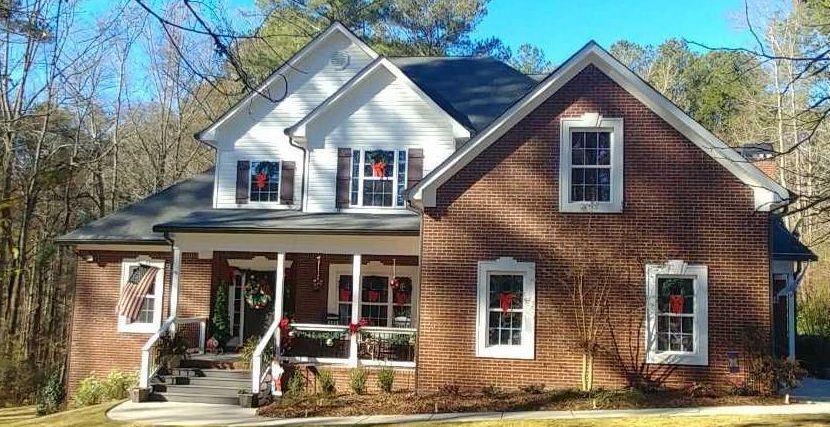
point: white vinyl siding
(388, 115)
(258, 132)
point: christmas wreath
(256, 292)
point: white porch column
(791, 325)
(174, 284)
(356, 263)
(278, 298)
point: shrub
(172, 349)
(117, 384)
(533, 388)
(814, 313)
(765, 373)
(90, 392)
(357, 380)
(50, 393)
(18, 380)
(492, 391)
(386, 379)
(327, 384)
(246, 353)
(295, 385)
(612, 398)
(449, 389)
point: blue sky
(560, 27)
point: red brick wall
(679, 204)
(96, 345)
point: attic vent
(339, 59)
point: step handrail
(149, 364)
(257, 374)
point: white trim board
(208, 135)
(767, 193)
(299, 130)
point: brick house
(444, 205)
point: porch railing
(264, 352)
(331, 344)
(193, 331)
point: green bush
(357, 380)
(327, 384)
(18, 380)
(295, 386)
(814, 315)
(246, 353)
(386, 379)
(93, 390)
(50, 393)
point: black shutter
(243, 177)
(344, 163)
(287, 183)
(415, 166)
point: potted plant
(247, 399)
(172, 350)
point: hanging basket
(676, 304)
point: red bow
(676, 304)
(374, 296)
(505, 301)
(378, 170)
(401, 298)
(261, 179)
(355, 327)
(345, 295)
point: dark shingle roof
(786, 246)
(474, 90)
(283, 221)
(134, 224)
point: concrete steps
(196, 385)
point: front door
(251, 303)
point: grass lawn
(90, 416)
(773, 420)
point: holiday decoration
(505, 301)
(395, 283)
(256, 292)
(212, 345)
(261, 180)
(345, 294)
(329, 342)
(355, 327)
(378, 169)
(373, 296)
(676, 304)
(401, 298)
(317, 283)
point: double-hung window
(265, 181)
(378, 178)
(591, 164)
(506, 309)
(385, 299)
(148, 319)
(677, 313)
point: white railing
(258, 376)
(193, 329)
(149, 354)
(333, 344)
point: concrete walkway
(813, 389)
(171, 413)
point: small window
(265, 182)
(148, 319)
(506, 305)
(378, 178)
(677, 305)
(591, 164)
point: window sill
(506, 352)
(589, 207)
(138, 328)
(677, 358)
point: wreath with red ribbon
(676, 304)
(257, 293)
(505, 301)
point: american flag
(132, 295)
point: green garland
(319, 335)
(394, 339)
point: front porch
(309, 307)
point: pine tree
(220, 323)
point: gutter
(304, 183)
(257, 230)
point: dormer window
(378, 178)
(265, 182)
(591, 164)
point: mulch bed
(403, 403)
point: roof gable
(208, 134)
(767, 192)
(379, 65)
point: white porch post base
(791, 325)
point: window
(265, 182)
(383, 302)
(591, 164)
(677, 313)
(506, 309)
(149, 315)
(378, 178)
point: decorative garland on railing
(388, 338)
(319, 335)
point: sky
(561, 27)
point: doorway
(251, 303)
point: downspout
(176, 267)
(304, 184)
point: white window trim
(140, 327)
(359, 206)
(259, 203)
(507, 266)
(700, 274)
(374, 268)
(591, 122)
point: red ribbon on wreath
(401, 298)
(355, 327)
(378, 169)
(374, 296)
(261, 180)
(505, 301)
(676, 304)
(345, 295)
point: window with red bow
(676, 314)
(265, 182)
